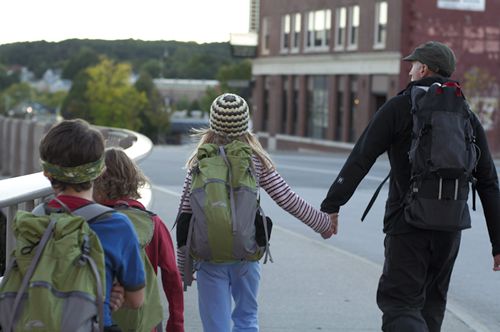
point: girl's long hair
(121, 179)
(207, 135)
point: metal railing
(25, 192)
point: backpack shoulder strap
(92, 211)
(374, 197)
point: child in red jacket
(119, 185)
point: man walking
(419, 252)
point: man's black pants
(414, 283)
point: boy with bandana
(72, 157)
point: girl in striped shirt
(217, 282)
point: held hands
(496, 263)
(117, 297)
(334, 218)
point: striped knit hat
(229, 115)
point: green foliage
(52, 100)
(154, 117)
(236, 71)
(178, 59)
(183, 104)
(76, 103)
(152, 67)
(241, 71)
(113, 100)
(208, 98)
(15, 94)
(228, 74)
(7, 79)
(86, 57)
(23, 92)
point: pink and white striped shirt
(272, 182)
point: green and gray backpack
(150, 314)
(224, 199)
(56, 278)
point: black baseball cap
(437, 56)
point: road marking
(167, 191)
(455, 309)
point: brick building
(324, 67)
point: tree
(228, 74)
(15, 94)
(152, 67)
(154, 118)
(7, 79)
(53, 100)
(208, 98)
(182, 104)
(86, 57)
(76, 103)
(113, 100)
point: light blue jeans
(216, 284)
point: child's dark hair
(122, 178)
(71, 143)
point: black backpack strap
(374, 197)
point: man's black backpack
(443, 156)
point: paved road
(330, 285)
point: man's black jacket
(390, 130)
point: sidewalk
(312, 286)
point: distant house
(52, 82)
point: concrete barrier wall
(15, 148)
(19, 140)
(27, 147)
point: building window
(353, 27)
(318, 29)
(265, 35)
(317, 105)
(380, 24)
(340, 27)
(285, 33)
(296, 32)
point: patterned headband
(78, 174)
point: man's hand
(117, 297)
(496, 263)
(334, 218)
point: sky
(183, 20)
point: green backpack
(150, 314)
(56, 278)
(224, 199)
